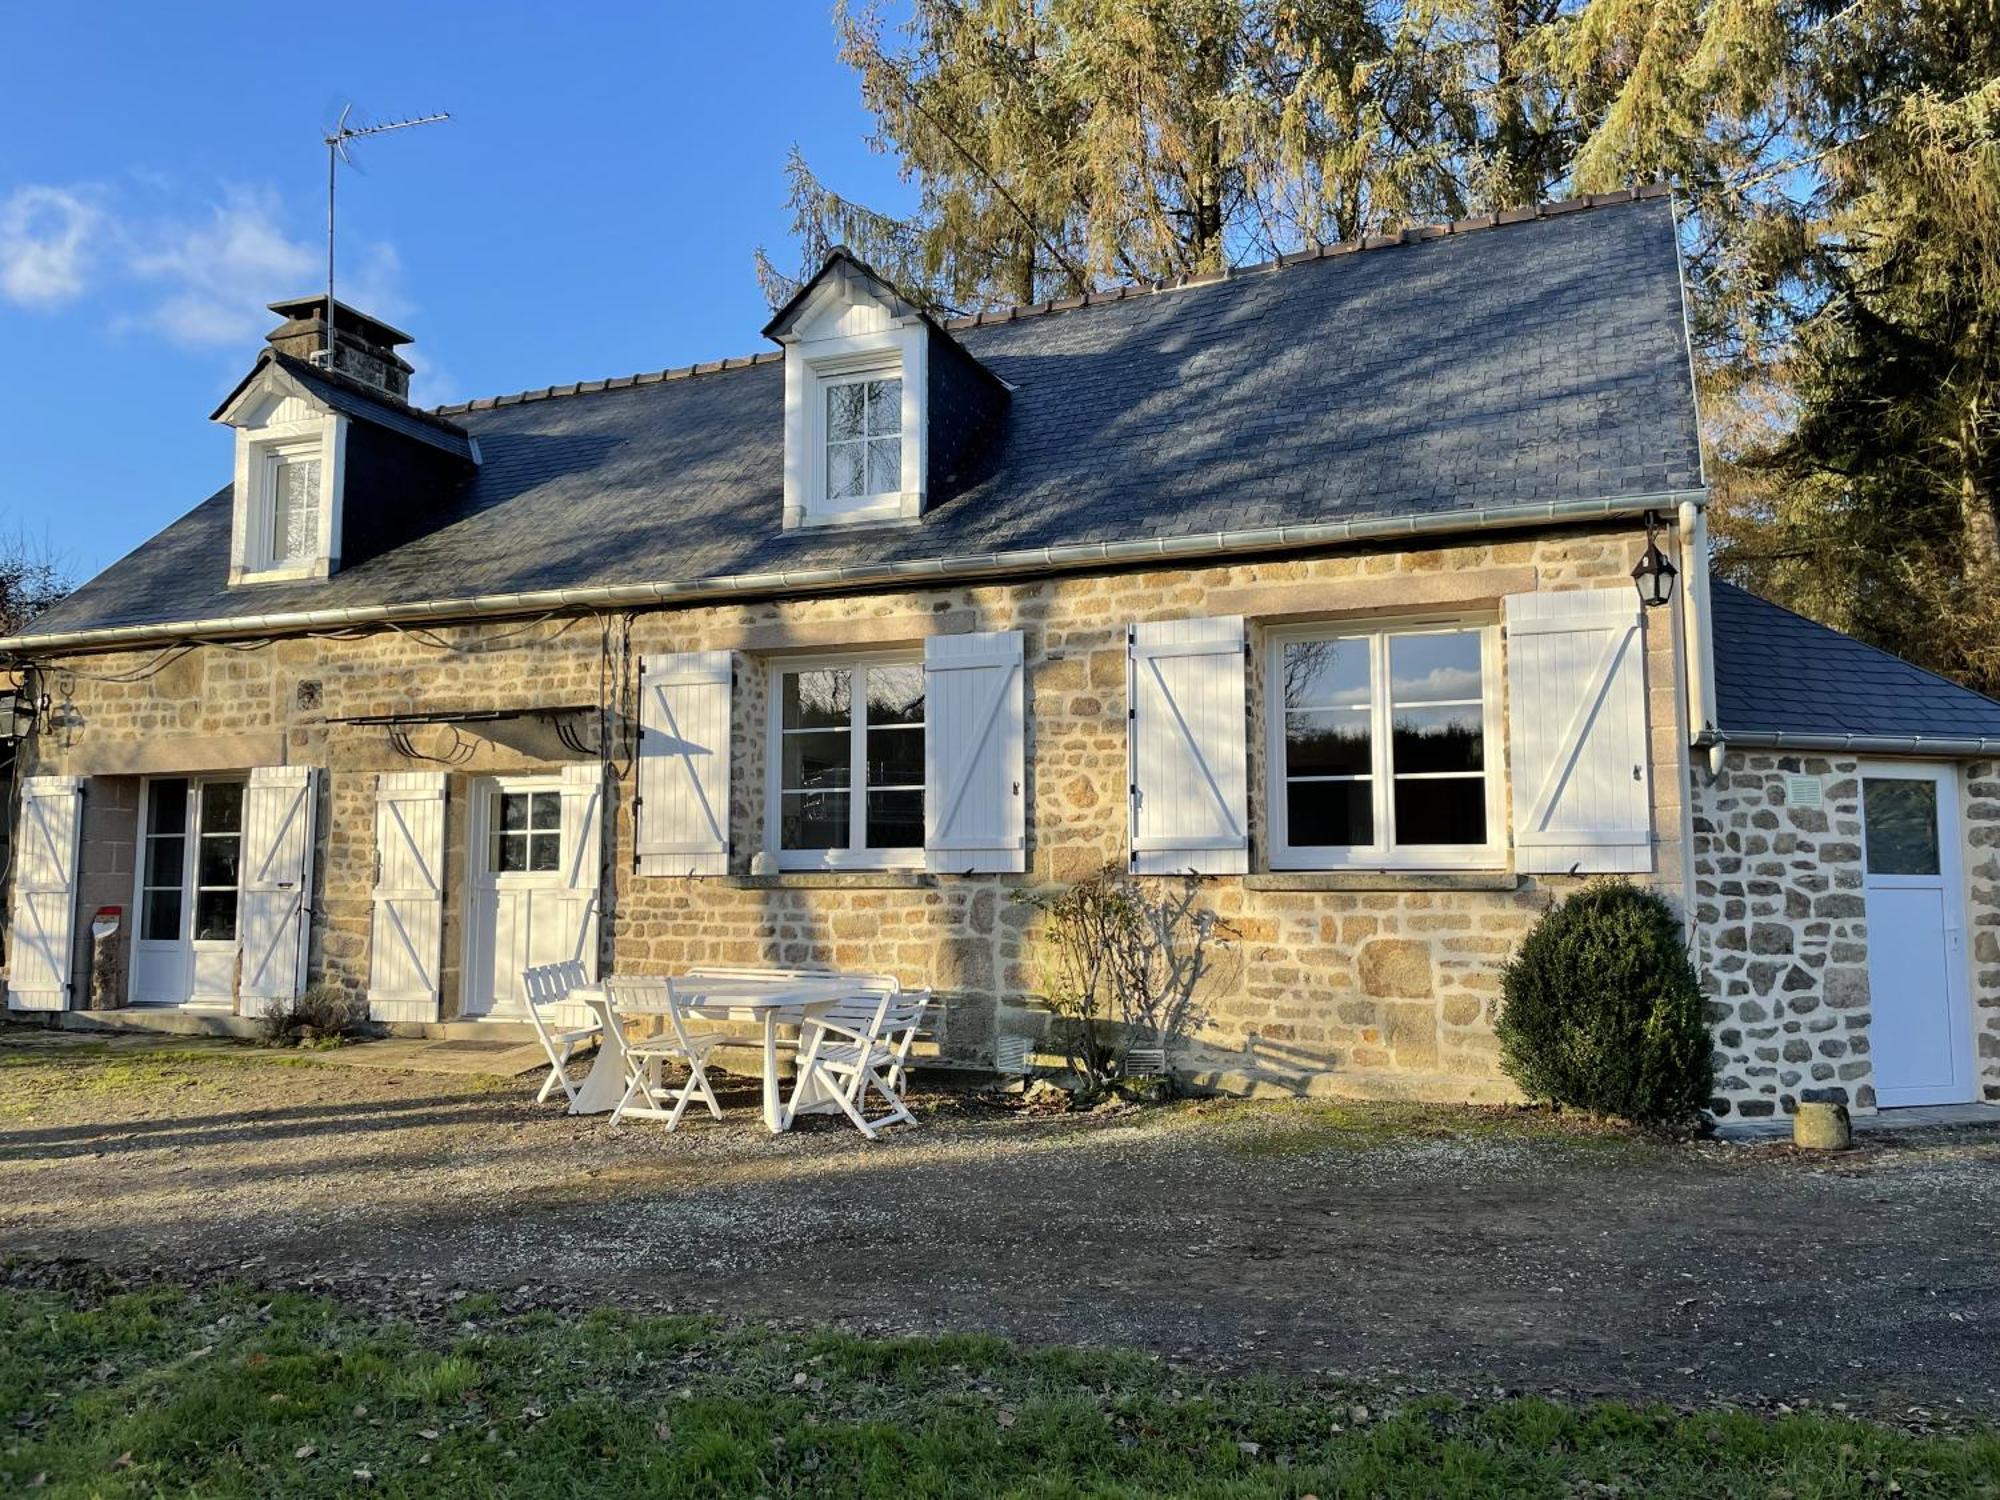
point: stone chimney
(364, 348)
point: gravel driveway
(1453, 1247)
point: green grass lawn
(229, 1392)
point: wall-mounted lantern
(1653, 575)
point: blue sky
(590, 210)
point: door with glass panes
(190, 860)
(519, 915)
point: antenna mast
(335, 142)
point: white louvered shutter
(41, 937)
(683, 791)
(1188, 738)
(274, 917)
(408, 942)
(582, 860)
(1576, 692)
(975, 752)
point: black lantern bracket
(1654, 573)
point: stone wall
(1351, 981)
(1782, 933)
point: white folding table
(775, 1002)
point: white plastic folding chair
(548, 987)
(859, 1046)
(852, 1013)
(646, 1095)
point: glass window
(864, 438)
(294, 509)
(1383, 752)
(163, 862)
(850, 759)
(527, 832)
(217, 860)
(1902, 825)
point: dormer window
(291, 484)
(880, 402)
(864, 441)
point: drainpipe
(1698, 627)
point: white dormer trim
(846, 331)
(278, 422)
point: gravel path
(1456, 1247)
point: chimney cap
(349, 322)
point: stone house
(1314, 578)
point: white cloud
(47, 239)
(219, 272)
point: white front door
(1921, 1034)
(189, 880)
(517, 891)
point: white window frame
(853, 857)
(262, 451)
(1385, 853)
(823, 376)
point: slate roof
(1778, 673)
(1539, 359)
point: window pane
(885, 407)
(545, 810)
(1902, 825)
(896, 820)
(1439, 739)
(295, 510)
(813, 820)
(816, 759)
(844, 407)
(1434, 667)
(844, 470)
(216, 860)
(896, 694)
(1327, 744)
(895, 757)
(1450, 810)
(166, 807)
(165, 858)
(513, 810)
(1329, 814)
(885, 466)
(161, 920)
(817, 700)
(510, 852)
(1326, 674)
(544, 851)
(215, 916)
(222, 807)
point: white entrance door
(1921, 1034)
(521, 910)
(190, 870)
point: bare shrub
(1123, 962)
(324, 1015)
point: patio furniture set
(851, 1055)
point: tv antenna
(335, 141)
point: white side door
(274, 917)
(41, 933)
(407, 940)
(1920, 1034)
(533, 886)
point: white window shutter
(274, 917)
(42, 933)
(683, 775)
(582, 859)
(1576, 692)
(408, 930)
(975, 753)
(1188, 744)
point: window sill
(834, 880)
(1383, 880)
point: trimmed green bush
(1602, 1011)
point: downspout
(1698, 626)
